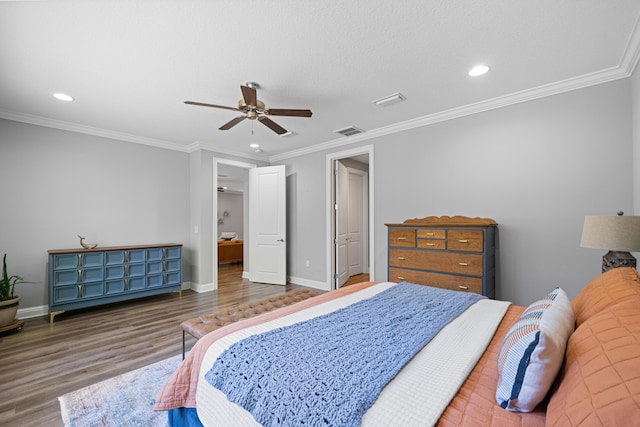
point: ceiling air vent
(349, 131)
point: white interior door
(268, 225)
(355, 224)
(342, 224)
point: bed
(453, 380)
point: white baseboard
(323, 286)
(29, 312)
(202, 287)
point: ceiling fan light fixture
(254, 145)
(389, 100)
(479, 70)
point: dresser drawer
(432, 244)
(432, 233)
(448, 262)
(403, 238)
(443, 281)
(465, 240)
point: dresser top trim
(446, 221)
(113, 248)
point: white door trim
(330, 204)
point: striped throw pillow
(532, 352)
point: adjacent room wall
(537, 168)
(232, 203)
(58, 184)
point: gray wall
(57, 184)
(537, 168)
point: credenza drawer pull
(463, 287)
(402, 238)
(430, 244)
(464, 264)
(463, 241)
(401, 258)
(400, 278)
(430, 234)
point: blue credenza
(80, 278)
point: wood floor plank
(82, 347)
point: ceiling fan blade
(288, 112)
(250, 96)
(232, 123)
(272, 125)
(201, 104)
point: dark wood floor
(44, 361)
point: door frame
(330, 209)
(214, 218)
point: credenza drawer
(465, 240)
(438, 280)
(449, 262)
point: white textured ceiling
(131, 64)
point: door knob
(280, 240)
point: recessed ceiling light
(254, 145)
(479, 70)
(62, 97)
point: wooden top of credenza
(113, 248)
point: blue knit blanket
(327, 371)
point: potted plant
(8, 301)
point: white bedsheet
(416, 397)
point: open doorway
(350, 216)
(230, 221)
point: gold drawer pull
(402, 238)
(464, 264)
(430, 234)
(401, 258)
(430, 244)
(463, 287)
(463, 241)
(400, 278)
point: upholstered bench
(200, 326)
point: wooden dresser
(455, 253)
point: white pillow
(532, 352)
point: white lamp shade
(615, 233)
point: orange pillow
(600, 382)
(612, 287)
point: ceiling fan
(254, 109)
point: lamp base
(615, 259)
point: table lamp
(619, 234)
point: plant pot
(8, 311)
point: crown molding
(544, 91)
(89, 130)
(211, 147)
